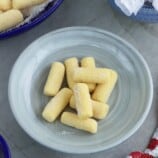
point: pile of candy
(16, 12)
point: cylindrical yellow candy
(73, 120)
(10, 19)
(100, 110)
(90, 75)
(5, 4)
(56, 105)
(70, 65)
(89, 62)
(21, 4)
(83, 101)
(103, 91)
(55, 79)
(72, 103)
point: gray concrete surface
(95, 13)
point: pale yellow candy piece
(89, 62)
(56, 105)
(10, 19)
(5, 4)
(21, 4)
(70, 65)
(90, 75)
(73, 120)
(55, 79)
(83, 101)
(100, 110)
(72, 103)
(103, 91)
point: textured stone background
(95, 13)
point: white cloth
(155, 4)
(130, 7)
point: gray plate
(129, 104)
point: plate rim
(92, 29)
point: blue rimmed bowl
(146, 14)
(4, 148)
(35, 21)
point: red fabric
(138, 154)
(153, 143)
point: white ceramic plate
(129, 104)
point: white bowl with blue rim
(44, 14)
(146, 14)
(129, 103)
